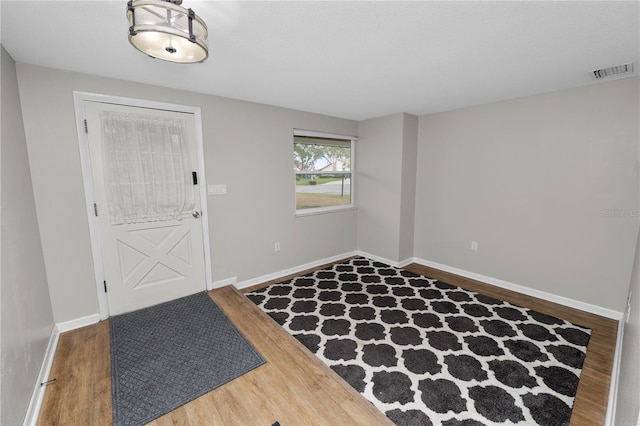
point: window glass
(323, 173)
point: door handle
(196, 214)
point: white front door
(148, 261)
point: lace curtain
(147, 170)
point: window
(323, 164)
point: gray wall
(628, 392)
(247, 146)
(628, 396)
(532, 181)
(386, 167)
(27, 319)
(408, 186)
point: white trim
(33, 410)
(133, 102)
(405, 262)
(615, 378)
(78, 99)
(204, 203)
(587, 307)
(320, 172)
(322, 210)
(294, 270)
(87, 181)
(222, 283)
(394, 263)
(314, 134)
(78, 323)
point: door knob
(196, 214)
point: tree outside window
(323, 173)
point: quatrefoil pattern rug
(428, 353)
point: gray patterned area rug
(428, 353)
(167, 355)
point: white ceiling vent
(613, 71)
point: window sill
(313, 212)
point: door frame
(85, 162)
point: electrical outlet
(276, 246)
(474, 245)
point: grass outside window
(322, 170)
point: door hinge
(86, 126)
(105, 286)
(194, 175)
(95, 209)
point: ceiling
(355, 59)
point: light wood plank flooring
(293, 387)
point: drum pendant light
(167, 31)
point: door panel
(152, 262)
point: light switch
(220, 189)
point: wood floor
(292, 387)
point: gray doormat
(167, 355)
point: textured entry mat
(167, 355)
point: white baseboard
(33, 410)
(78, 323)
(400, 264)
(615, 377)
(222, 283)
(404, 263)
(294, 270)
(38, 393)
(598, 310)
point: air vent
(613, 71)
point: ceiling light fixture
(166, 30)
